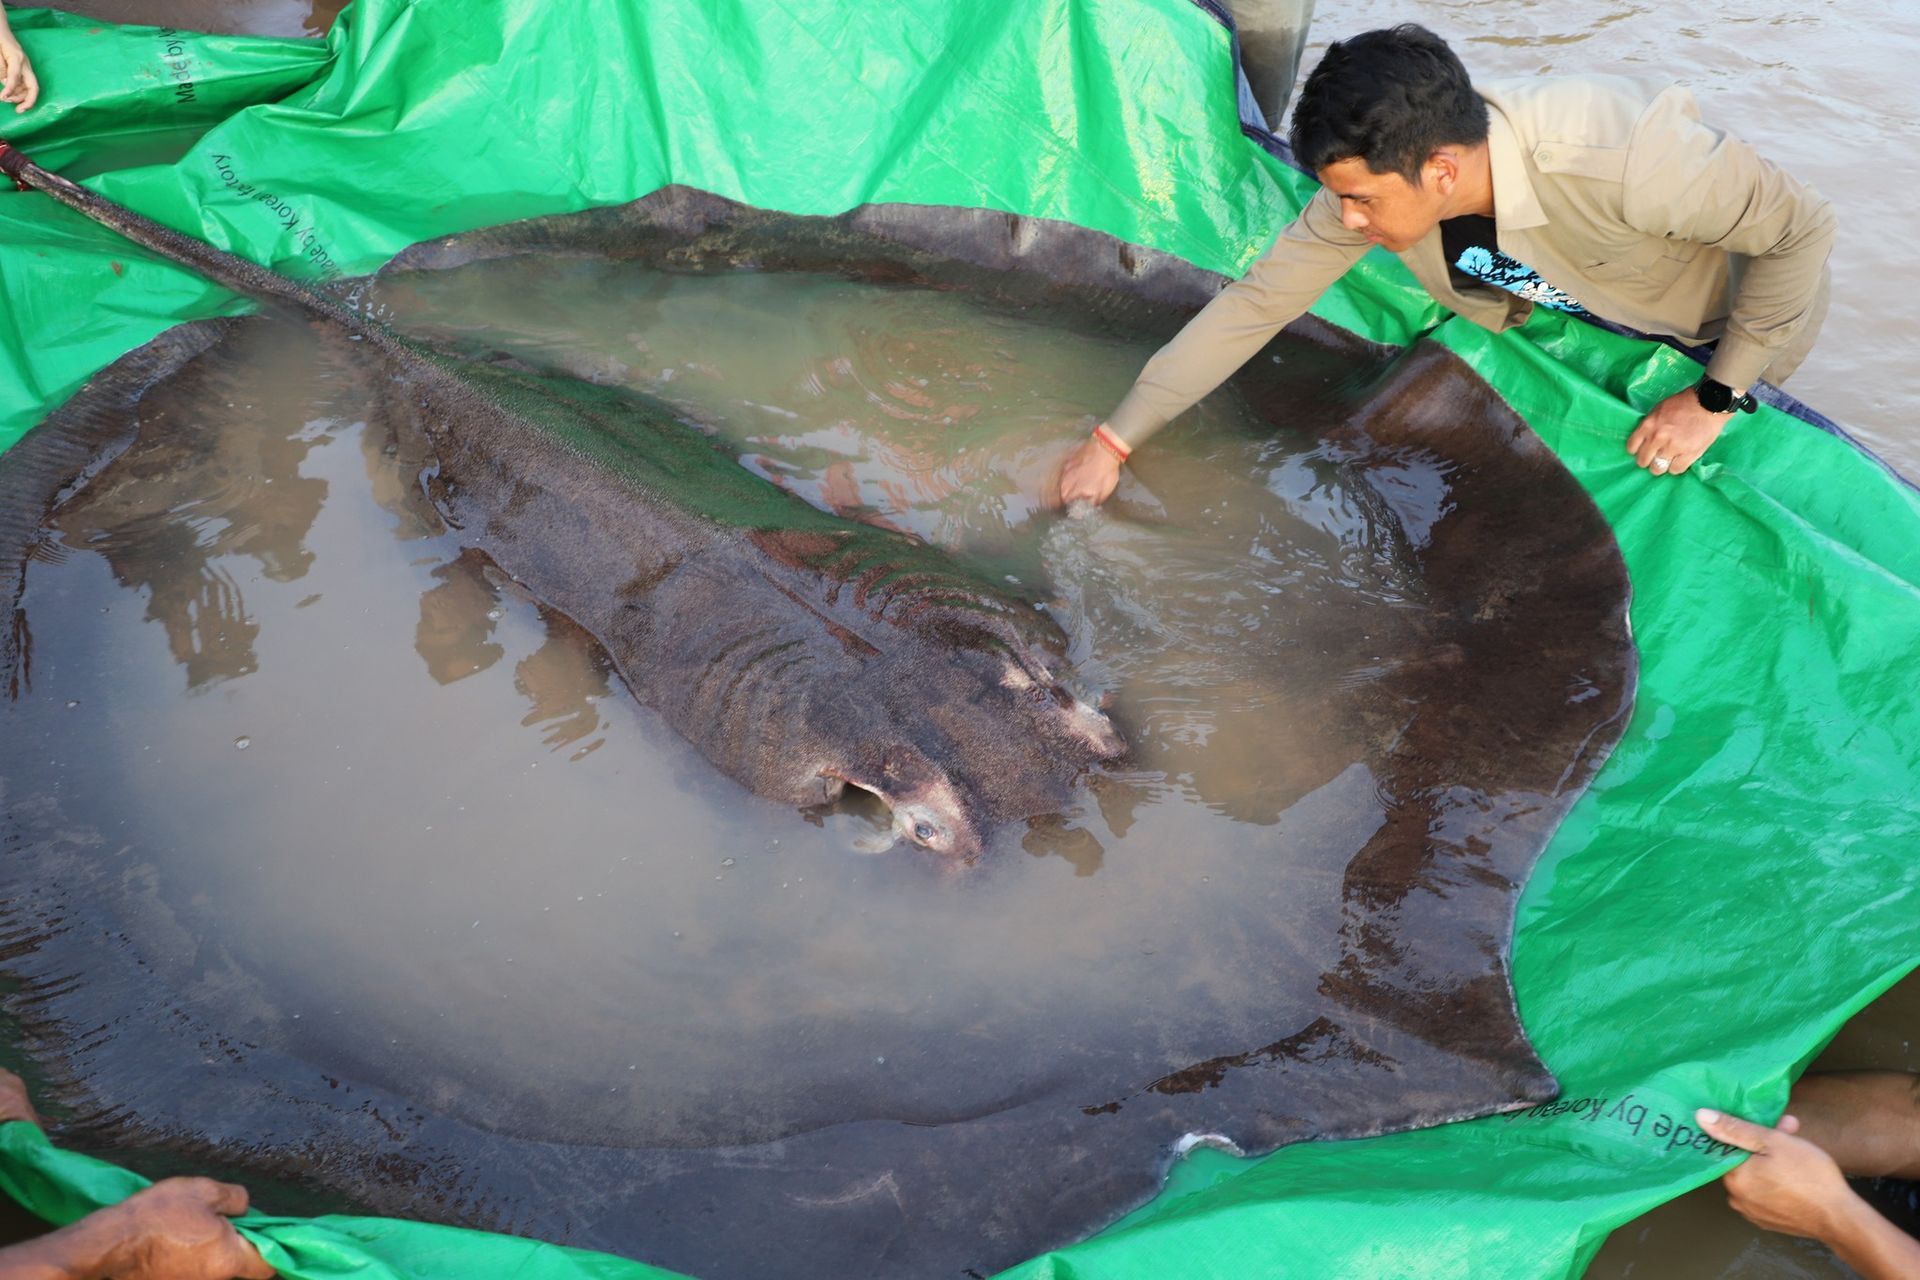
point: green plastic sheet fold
(1741, 877)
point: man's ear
(1443, 171)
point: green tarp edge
(62, 1186)
(1741, 877)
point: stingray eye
(923, 831)
(1039, 695)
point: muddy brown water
(257, 677)
(1822, 88)
(245, 642)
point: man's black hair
(1390, 98)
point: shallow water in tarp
(294, 694)
(545, 957)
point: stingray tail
(223, 268)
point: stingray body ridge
(800, 653)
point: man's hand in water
(17, 82)
(1790, 1185)
(173, 1230)
(1089, 474)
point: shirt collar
(1514, 205)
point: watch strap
(1718, 397)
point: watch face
(1715, 397)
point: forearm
(76, 1252)
(1777, 300)
(1868, 1121)
(1871, 1245)
(1689, 183)
(1307, 257)
(1203, 355)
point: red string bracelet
(1111, 442)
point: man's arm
(17, 82)
(1868, 1121)
(1315, 250)
(172, 1230)
(1691, 183)
(1687, 182)
(1790, 1185)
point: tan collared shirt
(1613, 190)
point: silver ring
(1661, 464)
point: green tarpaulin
(1743, 874)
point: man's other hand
(18, 84)
(1788, 1184)
(178, 1230)
(1089, 474)
(172, 1230)
(1675, 434)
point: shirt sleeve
(1305, 259)
(1686, 181)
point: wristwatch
(1718, 397)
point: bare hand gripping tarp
(1739, 879)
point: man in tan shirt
(1599, 194)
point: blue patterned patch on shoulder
(1498, 269)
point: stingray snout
(951, 833)
(929, 808)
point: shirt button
(1544, 155)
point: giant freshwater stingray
(743, 618)
(1485, 724)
